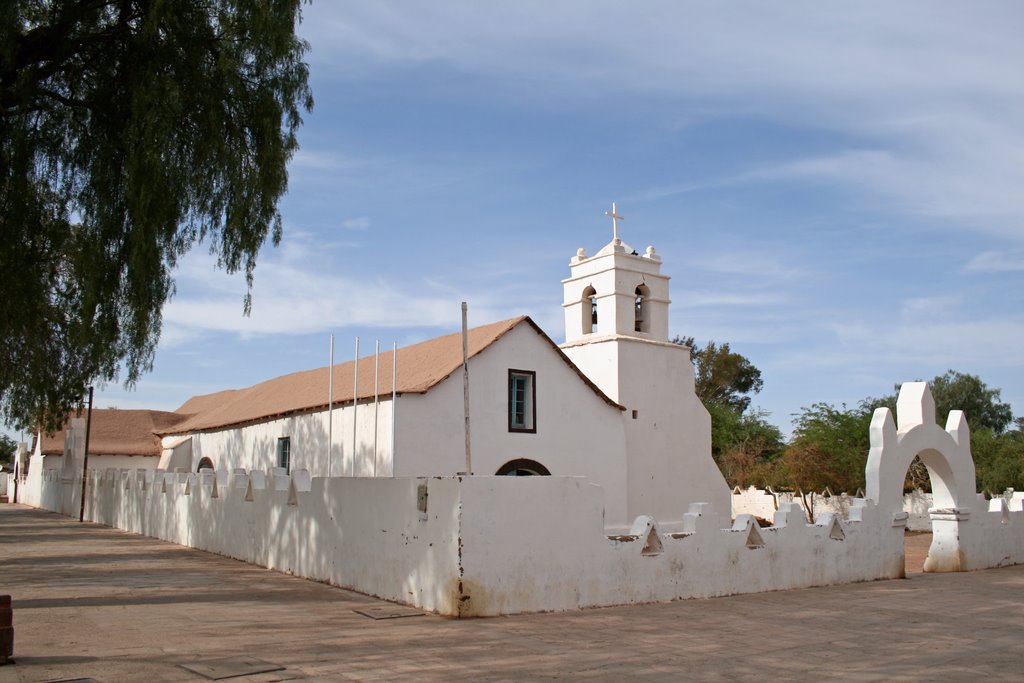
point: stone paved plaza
(96, 603)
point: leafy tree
(8, 446)
(743, 445)
(829, 448)
(722, 376)
(998, 460)
(130, 132)
(981, 405)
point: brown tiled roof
(113, 431)
(420, 367)
(204, 402)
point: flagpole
(330, 410)
(355, 405)
(376, 401)
(394, 396)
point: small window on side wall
(522, 404)
(284, 453)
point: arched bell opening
(641, 318)
(589, 310)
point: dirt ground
(95, 603)
(915, 547)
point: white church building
(356, 474)
(615, 403)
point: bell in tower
(616, 292)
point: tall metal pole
(355, 404)
(330, 409)
(85, 457)
(394, 396)
(376, 401)
(465, 384)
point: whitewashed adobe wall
(668, 444)
(478, 550)
(255, 446)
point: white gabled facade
(575, 430)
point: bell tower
(616, 332)
(616, 292)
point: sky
(836, 189)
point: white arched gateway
(962, 520)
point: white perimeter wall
(502, 545)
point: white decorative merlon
(915, 405)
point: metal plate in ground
(388, 612)
(230, 667)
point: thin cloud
(358, 223)
(934, 95)
(996, 262)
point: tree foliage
(829, 448)
(744, 445)
(130, 131)
(722, 376)
(743, 442)
(998, 460)
(8, 447)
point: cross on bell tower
(616, 292)
(615, 224)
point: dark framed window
(522, 403)
(284, 453)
